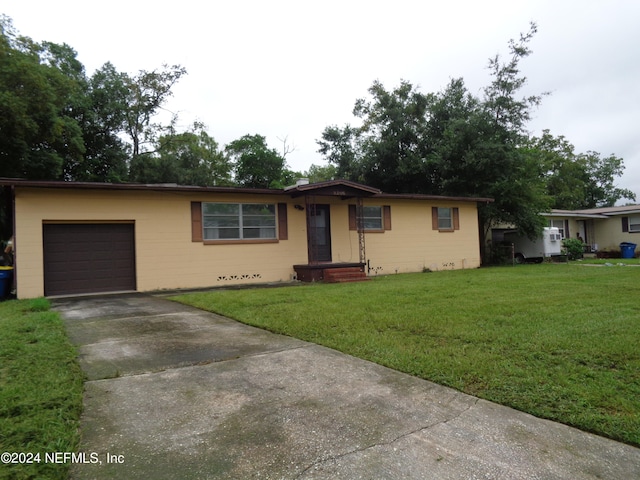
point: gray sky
(288, 69)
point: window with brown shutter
(238, 223)
(445, 219)
(375, 218)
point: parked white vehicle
(526, 250)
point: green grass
(40, 388)
(557, 341)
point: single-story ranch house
(601, 229)
(78, 238)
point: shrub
(574, 247)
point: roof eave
(158, 187)
(418, 196)
(339, 188)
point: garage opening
(88, 258)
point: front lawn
(40, 390)
(557, 341)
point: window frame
(634, 220)
(385, 218)
(560, 226)
(379, 218)
(279, 217)
(448, 219)
(454, 216)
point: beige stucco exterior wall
(605, 234)
(166, 257)
(609, 234)
(412, 245)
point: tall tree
(449, 143)
(500, 97)
(339, 147)
(576, 180)
(321, 173)
(40, 89)
(392, 138)
(146, 93)
(518, 192)
(106, 153)
(188, 158)
(125, 105)
(256, 165)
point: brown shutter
(456, 219)
(283, 231)
(386, 217)
(625, 224)
(196, 221)
(567, 233)
(434, 218)
(353, 223)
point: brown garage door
(88, 258)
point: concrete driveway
(175, 392)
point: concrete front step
(345, 271)
(348, 279)
(340, 275)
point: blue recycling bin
(628, 250)
(6, 277)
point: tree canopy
(455, 143)
(60, 123)
(573, 180)
(41, 88)
(257, 165)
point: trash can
(6, 277)
(628, 249)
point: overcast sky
(288, 69)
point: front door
(319, 234)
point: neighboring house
(601, 229)
(75, 238)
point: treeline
(59, 123)
(456, 143)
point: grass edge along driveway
(41, 387)
(557, 341)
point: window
(634, 224)
(238, 221)
(445, 219)
(559, 224)
(374, 218)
